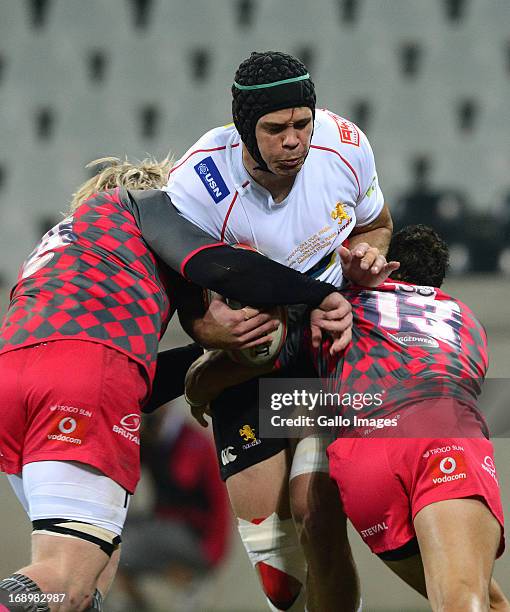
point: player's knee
(273, 548)
(459, 595)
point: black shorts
(235, 417)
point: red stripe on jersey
(228, 215)
(200, 151)
(193, 153)
(345, 162)
(193, 253)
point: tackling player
(78, 352)
(293, 182)
(429, 505)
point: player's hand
(225, 328)
(199, 412)
(365, 265)
(334, 316)
(196, 392)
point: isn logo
(248, 435)
(227, 456)
(449, 468)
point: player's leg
(459, 539)
(107, 576)
(453, 494)
(256, 472)
(411, 571)
(260, 499)
(66, 423)
(333, 582)
(77, 514)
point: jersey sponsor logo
(67, 425)
(348, 132)
(248, 435)
(490, 468)
(71, 410)
(372, 188)
(338, 213)
(69, 429)
(449, 468)
(227, 456)
(129, 425)
(419, 289)
(210, 176)
(442, 450)
(415, 339)
(373, 530)
(131, 422)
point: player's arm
(215, 371)
(220, 326)
(370, 238)
(211, 374)
(235, 273)
(171, 369)
(364, 261)
(377, 234)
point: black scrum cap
(267, 82)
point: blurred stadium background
(428, 81)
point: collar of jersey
(242, 177)
(239, 172)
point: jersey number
(58, 236)
(440, 319)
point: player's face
(284, 138)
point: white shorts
(71, 490)
(310, 456)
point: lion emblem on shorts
(247, 433)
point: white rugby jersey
(335, 190)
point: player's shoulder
(213, 143)
(206, 164)
(442, 295)
(339, 135)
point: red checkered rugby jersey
(409, 343)
(92, 277)
(108, 274)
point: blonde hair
(146, 174)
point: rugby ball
(265, 353)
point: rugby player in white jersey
(294, 183)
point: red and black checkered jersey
(92, 277)
(409, 343)
(109, 274)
